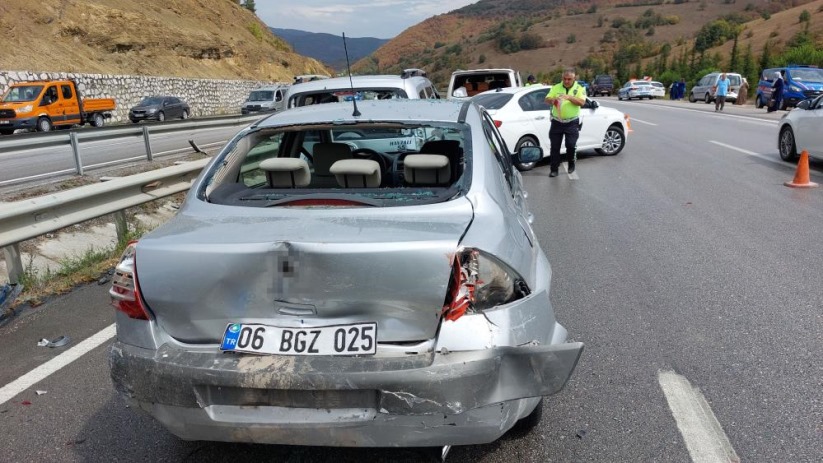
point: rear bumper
(431, 399)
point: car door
(176, 108)
(809, 137)
(538, 114)
(520, 230)
(69, 105)
(593, 127)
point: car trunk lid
(303, 268)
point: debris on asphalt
(59, 341)
(25, 402)
(41, 392)
(581, 434)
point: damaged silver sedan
(341, 278)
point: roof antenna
(356, 113)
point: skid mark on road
(702, 433)
(45, 370)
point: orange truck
(44, 105)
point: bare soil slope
(183, 38)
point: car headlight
(795, 88)
(151, 110)
(480, 282)
(24, 109)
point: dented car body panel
(448, 272)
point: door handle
(540, 118)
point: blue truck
(800, 82)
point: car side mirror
(804, 104)
(529, 154)
(591, 104)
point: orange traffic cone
(801, 176)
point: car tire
(707, 98)
(529, 422)
(758, 102)
(528, 140)
(161, 116)
(619, 98)
(786, 145)
(613, 141)
(97, 120)
(185, 115)
(6, 131)
(692, 99)
(44, 125)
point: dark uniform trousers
(571, 130)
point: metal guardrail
(30, 218)
(75, 138)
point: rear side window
(493, 100)
(67, 93)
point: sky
(383, 19)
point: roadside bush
(530, 41)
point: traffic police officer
(566, 98)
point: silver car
(313, 293)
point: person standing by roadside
(777, 93)
(743, 93)
(566, 98)
(721, 89)
(531, 80)
(681, 88)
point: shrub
(805, 16)
(255, 30)
(571, 38)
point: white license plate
(354, 339)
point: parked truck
(44, 105)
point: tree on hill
(249, 5)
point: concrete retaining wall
(206, 97)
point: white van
(466, 84)
(265, 99)
(386, 87)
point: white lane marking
(759, 156)
(43, 371)
(634, 119)
(702, 433)
(573, 175)
(753, 118)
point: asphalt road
(684, 254)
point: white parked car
(658, 89)
(523, 118)
(799, 130)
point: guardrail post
(148, 143)
(121, 225)
(75, 149)
(14, 264)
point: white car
(523, 118)
(658, 89)
(799, 130)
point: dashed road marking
(702, 433)
(45, 370)
(758, 155)
(634, 119)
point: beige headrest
(356, 173)
(426, 169)
(286, 172)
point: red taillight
(497, 123)
(125, 292)
(460, 296)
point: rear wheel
(525, 141)
(707, 98)
(161, 116)
(692, 99)
(97, 120)
(786, 146)
(613, 141)
(44, 125)
(185, 114)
